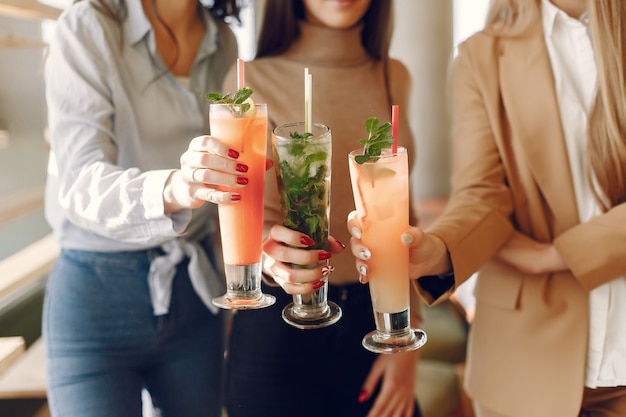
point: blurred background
(426, 33)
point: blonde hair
(512, 17)
(606, 147)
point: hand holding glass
(381, 194)
(303, 167)
(241, 224)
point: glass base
(379, 342)
(296, 317)
(243, 290)
(393, 334)
(236, 303)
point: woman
(273, 368)
(128, 305)
(538, 207)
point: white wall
(423, 41)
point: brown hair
(220, 9)
(224, 10)
(280, 27)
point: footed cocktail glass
(303, 167)
(381, 194)
(241, 224)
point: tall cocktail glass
(303, 168)
(381, 194)
(241, 224)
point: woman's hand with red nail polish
(206, 165)
(395, 375)
(290, 261)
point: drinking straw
(307, 100)
(241, 73)
(394, 127)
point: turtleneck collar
(325, 46)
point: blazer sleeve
(595, 250)
(476, 220)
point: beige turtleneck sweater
(348, 88)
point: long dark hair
(280, 27)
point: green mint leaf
(238, 106)
(296, 135)
(242, 95)
(379, 137)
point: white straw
(308, 92)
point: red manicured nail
(340, 244)
(323, 255)
(305, 240)
(235, 197)
(242, 180)
(318, 284)
(242, 168)
(233, 153)
(362, 396)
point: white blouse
(575, 73)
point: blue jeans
(104, 345)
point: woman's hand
(531, 256)
(428, 254)
(207, 164)
(396, 375)
(285, 252)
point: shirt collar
(552, 14)
(137, 27)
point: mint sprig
(296, 135)
(237, 103)
(304, 170)
(379, 137)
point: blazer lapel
(529, 98)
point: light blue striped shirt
(119, 123)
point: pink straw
(241, 73)
(395, 109)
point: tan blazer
(527, 347)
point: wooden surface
(11, 348)
(21, 202)
(26, 377)
(9, 40)
(27, 265)
(28, 9)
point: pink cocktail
(381, 195)
(241, 224)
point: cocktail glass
(303, 167)
(241, 224)
(381, 194)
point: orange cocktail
(381, 195)
(241, 224)
(382, 204)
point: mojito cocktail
(302, 161)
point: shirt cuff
(437, 285)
